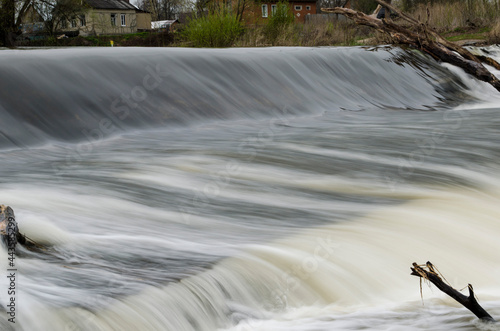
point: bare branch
(468, 302)
(425, 39)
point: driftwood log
(10, 235)
(9, 230)
(468, 302)
(425, 38)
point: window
(82, 20)
(64, 24)
(113, 19)
(298, 8)
(73, 22)
(264, 10)
(122, 16)
(308, 7)
(273, 9)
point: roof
(111, 4)
(162, 24)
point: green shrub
(93, 40)
(218, 29)
(278, 21)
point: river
(247, 189)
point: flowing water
(262, 189)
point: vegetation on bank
(219, 28)
(455, 19)
(278, 23)
(144, 39)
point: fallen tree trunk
(468, 302)
(425, 38)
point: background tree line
(165, 9)
(368, 6)
(408, 5)
(446, 15)
(55, 13)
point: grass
(146, 39)
(139, 39)
(466, 36)
(459, 34)
(451, 15)
(216, 29)
(331, 33)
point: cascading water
(73, 94)
(262, 189)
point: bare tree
(332, 3)
(57, 12)
(201, 6)
(365, 6)
(165, 9)
(241, 6)
(7, 22)
(53, 12)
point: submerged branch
(468, 302)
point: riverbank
(314, 35)
(476, 23)
(141, 39)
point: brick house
(260, 11)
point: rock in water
(8, 227)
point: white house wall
(99, 22)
